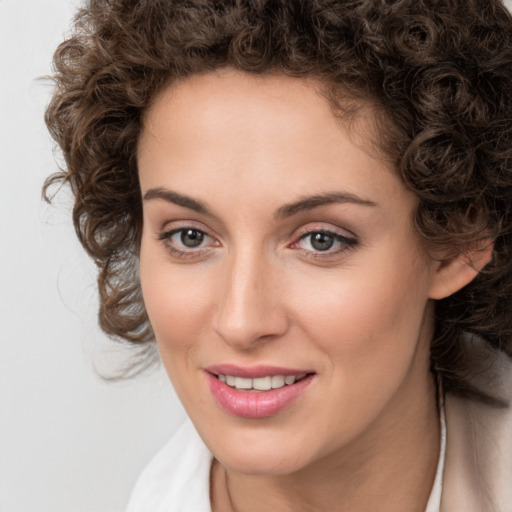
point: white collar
(434, 501)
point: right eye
(187, 241)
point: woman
(307, 205)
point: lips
(256, 392)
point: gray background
(69, 442)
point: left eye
(323, 241)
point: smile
(261, 383)
(256, 392)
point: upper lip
(254, 372)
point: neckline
(434, 500)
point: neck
(398, 452)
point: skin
(257, 292)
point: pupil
(321, 241)
(192, 237)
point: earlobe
(457, 271)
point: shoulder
(177, 478)
(478, 467)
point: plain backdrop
(69, 442)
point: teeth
(278, 381)
(261, 383)
(289, 380)
(241, 383)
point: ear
(456, 271)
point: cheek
(366, 326)
(369, 314)
(177, 303)
(177, 308)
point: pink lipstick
(256, 392)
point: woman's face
(277, 244)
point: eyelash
(345, 242)
(166, 238)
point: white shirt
(177, 479)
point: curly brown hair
(439, 73)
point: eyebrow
(311, 202)
(178, 199)
(288, 210)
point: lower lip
(260, 404)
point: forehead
(211, 103)
(226, 92)
(223, 98)
(229, 127)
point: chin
(254, 463)
(260, 451)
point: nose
(250, 309)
